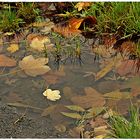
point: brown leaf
(127, 68)
(67, 92)
(91, 99)
(6, 61)
(53, 77)
(34, 67)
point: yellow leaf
(117, 95)
(106, 69)
(72, 115)
(40, 43)
(75, 108)
(34, 67)
(81, 5)
(13, 48)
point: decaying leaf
(72, 115)
(91, 99)
(117, 95)
(96, 110)
(47, 111)
(75, 108)
(13, 48)
(75, 132)
(16, 104)
(107, 68)
(108, 114)
(67, 92)
(6, 61)
(34, 67)
(82, 5)
(53, 77)
(61, 128)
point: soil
(15, 125)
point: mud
(17, 125)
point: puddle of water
(28, 90)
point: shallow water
(20, 88)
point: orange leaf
(6, 61)
(75, 23)
(82, 5)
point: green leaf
(75, 108)
(72, 115)
(96, 110)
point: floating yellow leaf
(72, 115)
(13, 48)
(75, 108)
(52, 95)
(34, 67)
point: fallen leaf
(127, 68)
(16, 104)
(117, 95)
(107, 68)
(75, 132)
(82, 5)
(13, 48)
(91, 99)
(61, 128)
(53, 77)
(67, 91)
(40, 43)
(6, 61)
(96, 110)
(52, 95)
(47, 111)
(75, 108)
(34, 67)
(72, 115)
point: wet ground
(23, 105)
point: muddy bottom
(18, 125)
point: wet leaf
(75, 132)
(117, 95)
(23, 105)
(40, 43)
(61, 128)
(107, 68)
(52, 95)
(13, 48)
(6, 61)
(127, 68)
(96, 110)
(34, 67)
(75, 108)
(82, 5)
(91, 99)
(67, 92)
(53, 77)
(47, 111)
(72, 115)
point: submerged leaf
(34, 67)
(75, 108)
(72, 115)
(6, 61)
